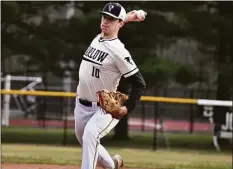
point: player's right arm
(135, 16)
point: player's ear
(121, 23)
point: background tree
(211, 24)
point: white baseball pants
(91, 124)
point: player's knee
(89, 135)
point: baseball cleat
(118, 161)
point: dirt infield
(42, 166)
(38, 166)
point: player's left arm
(138, 88)
(131, 73)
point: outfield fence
(157, 123)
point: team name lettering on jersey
(95, 54)
(103, 64)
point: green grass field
(139, 158)
(45, 146)
(144, 140)
(138, 139)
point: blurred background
(183, 49)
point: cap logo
(110, 7)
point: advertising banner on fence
(220, 115)
(223, 121)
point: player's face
(110, 25)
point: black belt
(88, 103)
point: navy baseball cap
(114, 10)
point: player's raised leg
(99, 125)
(82, 115)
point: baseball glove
(111, 102)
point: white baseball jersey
(103, 64)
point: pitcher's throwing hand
(135, 16)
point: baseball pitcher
(99, 107)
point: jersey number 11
(95, 72)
